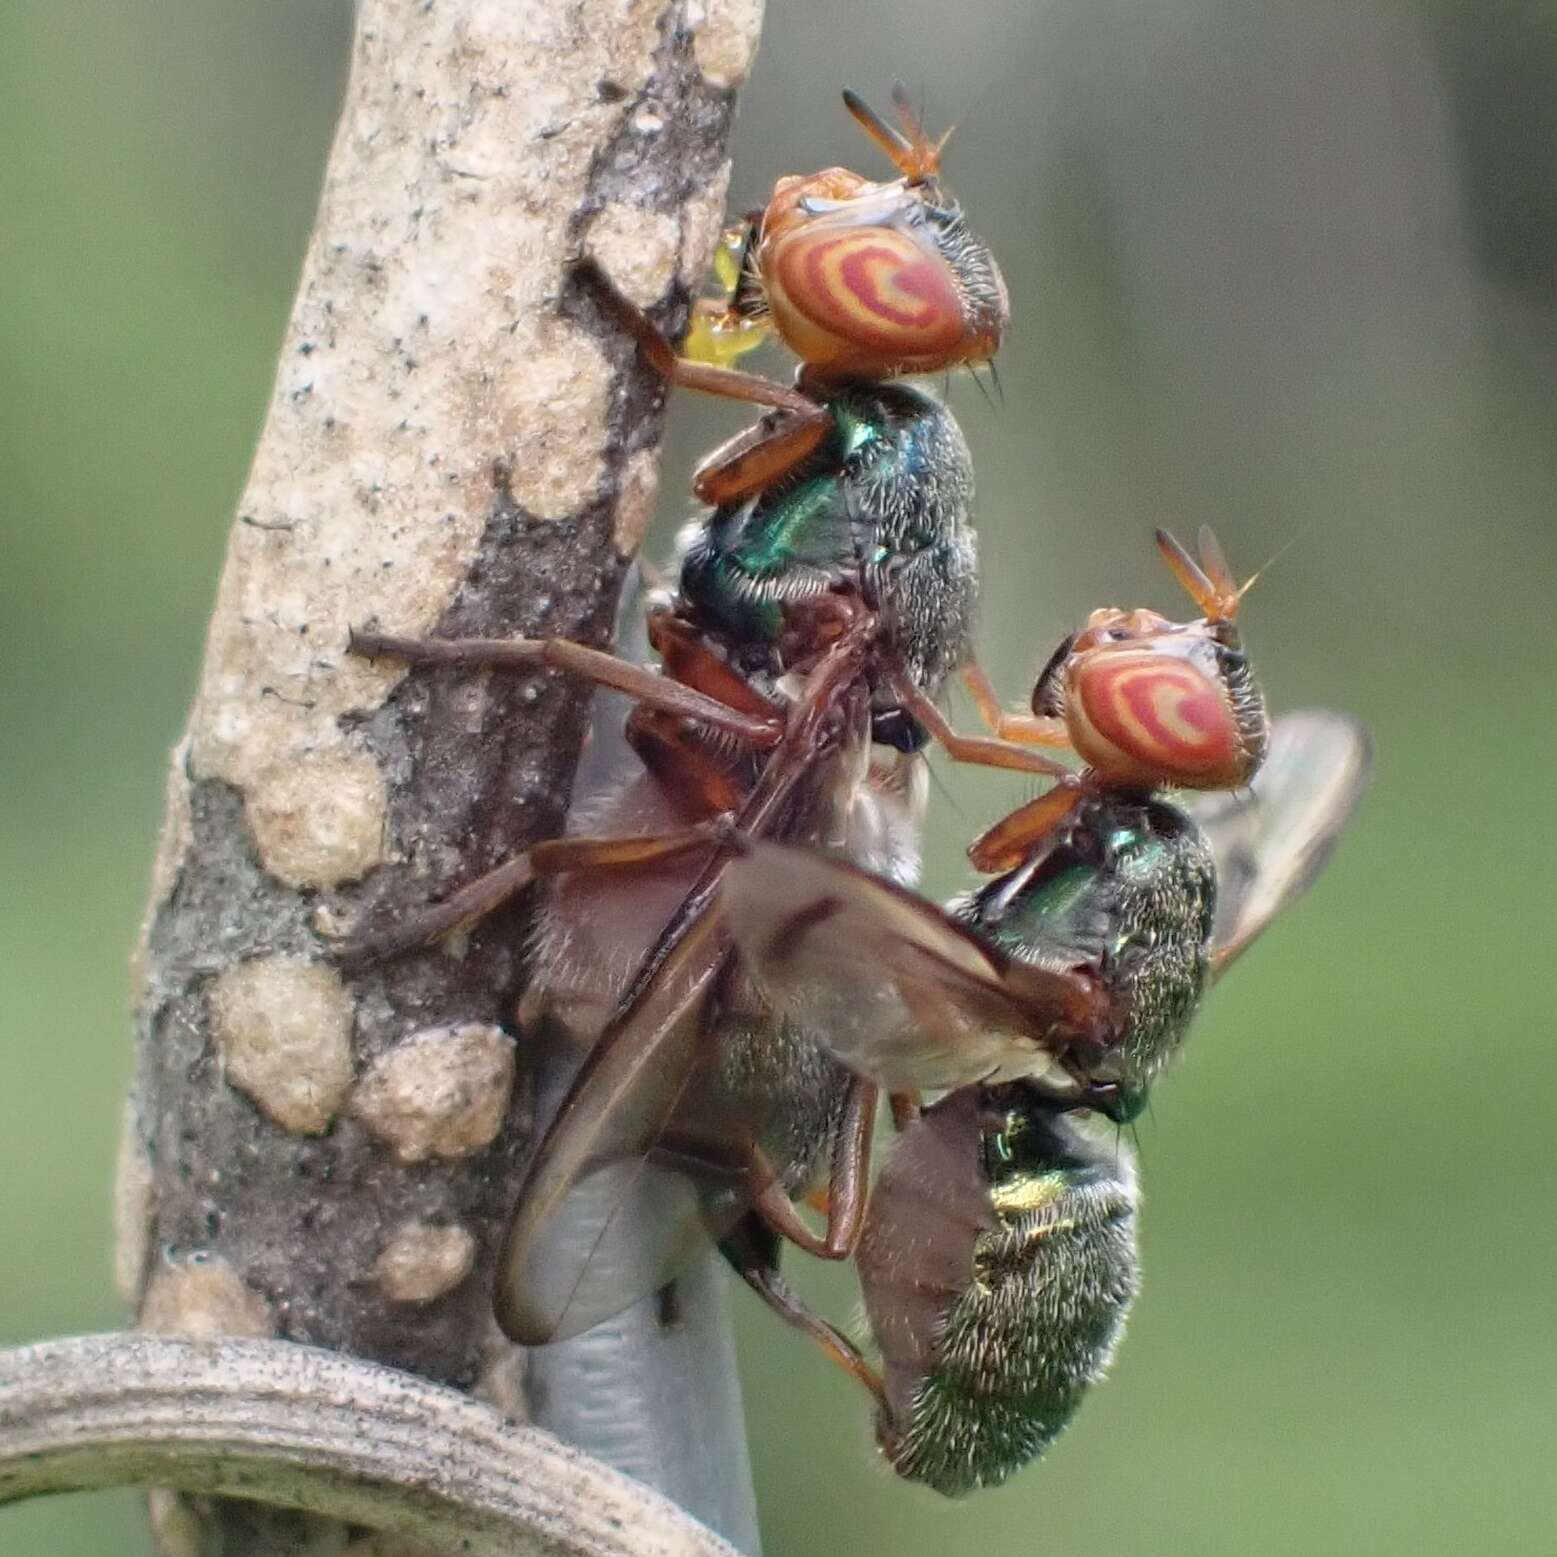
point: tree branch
(323, 1433)
(455, 445)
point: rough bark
(455, 445)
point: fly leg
(753, 1250)
(640, 682)
(1013, 839)
(983, 750)
(847, 1187)
(751, 460)
(552, 857)
(1026, 729)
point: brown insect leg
(751, 460)
(641, 682)
(686, 657)
(754, 459)
(847, 1186)
(731, 383)
(474, 901)
(1011, 840)
(753, 1250)
(1026, 729)
(906, 1107)
(978, 749)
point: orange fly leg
(687, 658)
(731, 383)
(980, 750)
(699, 781)
(755, 459)
(753, 1252)
(1005, 845)
(1024, 729)
(847, 1189)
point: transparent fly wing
(892, 986)
(598, 1224)
(1272, 840)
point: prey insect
(823, 604)
(1118, 881)
(998, 1256)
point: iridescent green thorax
(1126, 888)
(1036, 1308)
(883, 505)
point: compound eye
(874, 287)
(1160, 717)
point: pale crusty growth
(635, 510)
(724, 38)
(459, 442)
(319, 820)
(701, 223)
(283, 1028)
(637, 249)
(422, 1261)
(440, 1093)
(371, 487)
(561, 427)
(132, 1208)
(201, 1294)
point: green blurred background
(1292, 270)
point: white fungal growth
(422, 1261)
(702, 221)
(724, 38)
(635, 511)
(637, 249)
(318, 819)
(283, 1029)
(373, 482)
(201, 1294)
(440, 1093)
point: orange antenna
(1269, 563)
(1208, 582)
(914, 154)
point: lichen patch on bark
(423, 1260)
(724, 38)
(563, 382)
(702, 221)
(440, 1093)
(201, 1294)
(635, 508)
(283, 1029)
(318, 819)
(637, 248)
